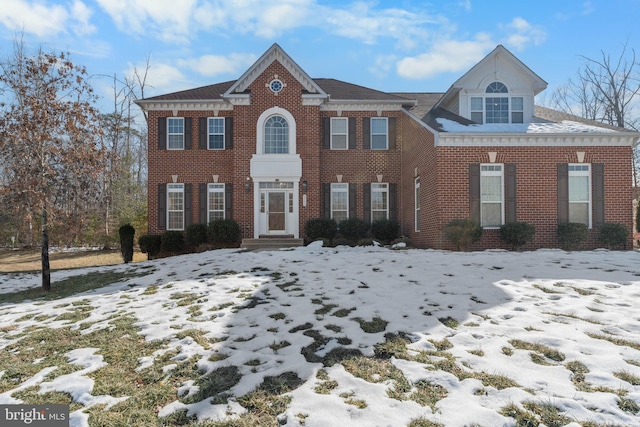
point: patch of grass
(442, 345)
(343, 312)
(72, 285)
(277, 316)
(325, 384)
(628, 405)
(279, 345)
(578, 371)
(633, 362)
(628, 377)
(428, 394)
(153, 289)
(477, 352)
(75, 315)
(546, 290)
(573, 316)
(423, 422)
(507, 351)
(582, 291)
(542, 349)
(302, 327)
(615, 340)
(449, 322)
(325, 309)
(198, 335)
(334, 328)
(395, 345)
(215, 383)
(373, 326)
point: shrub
(150, 244)
(224, 232)
(320, 228)
(126, 233)
(463, 232)
(172, 241)
(385, 230)
(354, 229)
(613, 234)
(517, 234)
(195, 235)
(571, 235)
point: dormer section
(500, 89)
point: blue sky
(401, 45)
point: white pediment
(274, 53)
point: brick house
(277, 147)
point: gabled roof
(274, 53)
(210, 92)
(537, 83)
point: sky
(392, 46)
(270, 313)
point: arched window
(497, 106)
(276, 135)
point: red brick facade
(443, 170)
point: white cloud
(212, 65)
(43, 19)
(524, 34)
(446, 56)
(161, 78)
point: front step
(271, 243)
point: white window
(175, 206)
(276, 135)
(580, 193)
(417, 202)
(491, 195)
(379, 133)
(339, 202)
(215, 203)
(379, 201)
(339, 133)
(496, 106)
(175, 133)
(215, 133)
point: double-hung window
(339, 201)
(580, 193)
(175, 206)
(215, 133)
(215, 209)
(339, 133)
(379, 133)
(175, 133)
(497, 106)
(379, 201)
(491, 195)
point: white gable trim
(447, 139)
(274, 53)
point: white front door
(277, 208)
(276, 212)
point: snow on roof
(565, 126)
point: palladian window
(276, 135)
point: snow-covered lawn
(354, 336)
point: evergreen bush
(224, 232)
(517, 234)
(196, 235)
(126, 233)
(172, 241)
(613, 234)
(354, 229)
(572, 234)
(150, 244)
(463, 232)
(320, 228)
(385, 230)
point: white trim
(339, 187)
(416, 204)
(224, 133)
(332, 133)
(588, 174)
(182, 105)
(491, 173)
(450, 139)
(217, 188)
(359, 105)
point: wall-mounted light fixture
(247, 185)
(304, 186)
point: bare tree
(49, 139)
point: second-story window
(379, 133)
(276, 135)
(215, 133)
(175, 133)
(497, 106)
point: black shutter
(474, 192)
(393, 202)
(162, 206)
(366, 202)
(326, 200)
(187, 133)
(598, 193)
(563, 193)
(366, 133)
(353, 203)
(511, 207)
(202, 133)
(202, 203)
(228, 201)
(228, 133)
(392, 132)
(352, 133)
(326, 132)
(162, 133)
(188, 205)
